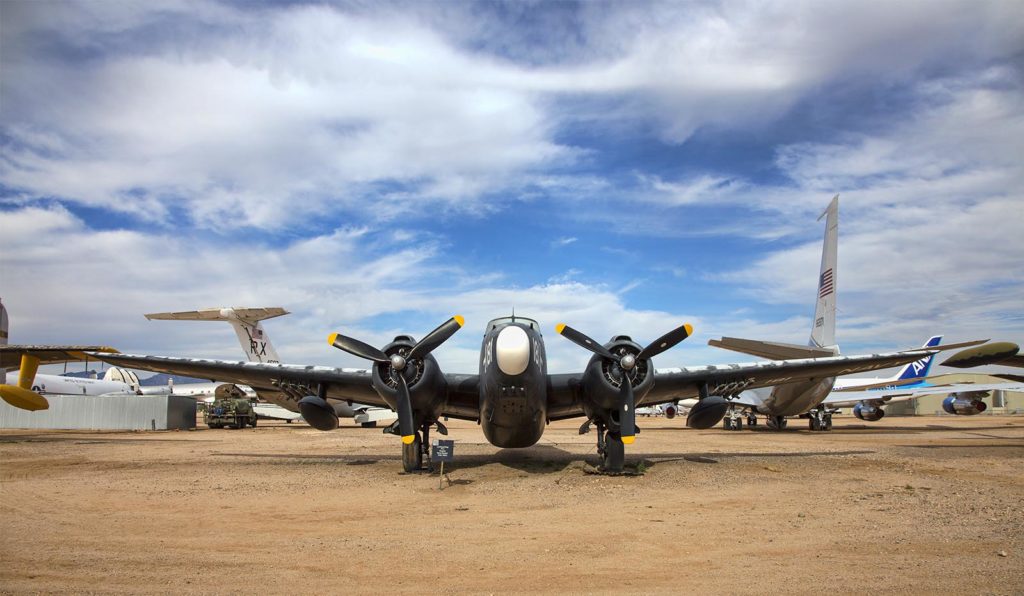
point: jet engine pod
(963, 407)
(318, 413)
(868, 412)
(670, 411)
(707, 412)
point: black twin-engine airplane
(512, 397)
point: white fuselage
(56, 384)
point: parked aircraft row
(513, 396)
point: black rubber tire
(828, 422)
(252, 422)
(412, 455)
(813, 423)
(751, 421)
(727, 423)
(737, 424)
(371, 424)
(614, 454)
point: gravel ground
(911, 505)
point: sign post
(442, 450)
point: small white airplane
(255, 342)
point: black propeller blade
(627, 409)
(436, 337)
(582, 340)
(627, 415)
(356, 348)
(398, 363)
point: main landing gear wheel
(614, 454)
(813, 423)
(412, 455)
(737, 424)
(776, 422)
(727, 423)
(751, 420)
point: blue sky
(619, 166)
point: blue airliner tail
(919, 368)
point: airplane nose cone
(512, 350)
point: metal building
(115, 412)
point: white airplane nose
(512, 350)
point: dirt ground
(912, 505)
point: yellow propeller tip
(689, 329)
(408, 439)
(628, 440)
(459, 320)
(559, 327)
(331, 339)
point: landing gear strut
(776, 422)
(733, 419)
(819, 419)
(614, 456)
(611, 450)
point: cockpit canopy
(501, 322)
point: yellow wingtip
(23, 399)
(459, 320)
(331, 339)
(628, 440)
(408, 439)
(559, 327)
(689, 329)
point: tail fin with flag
(823, 332)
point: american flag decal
(257, 333)
(825, 284)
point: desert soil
(910, 505)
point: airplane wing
(850, 398)
(10, 355)
(299, 380)
(731, 379)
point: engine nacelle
(707, 412)
(423, 377)
(670, 411)
(318, 413)
(960, 406)
(868, 412)
(602, 379)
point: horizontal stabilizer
(769, 349)
(220, 314)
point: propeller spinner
(627, 362)
(398, 364)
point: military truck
(229, 408)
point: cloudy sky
(622, 167)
